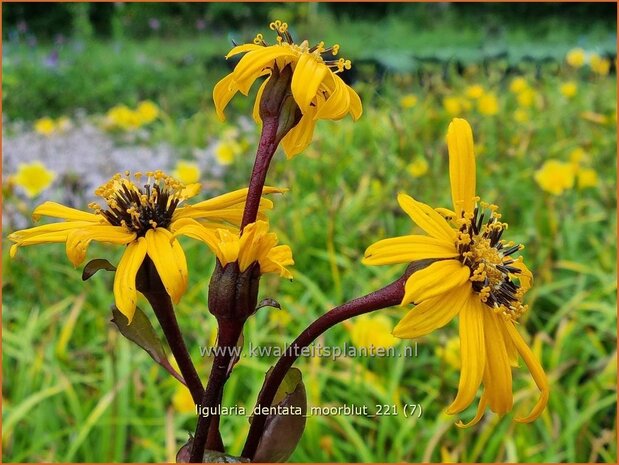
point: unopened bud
(232, 294)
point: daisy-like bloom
(473, 275)
(255, 245)
(316, 87)
(142, 214)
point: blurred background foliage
(536, 81)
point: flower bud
(233, 294)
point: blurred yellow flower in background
(599, 65)
(521, 116)
(187, 172)
(372, 331)
(575, 57)
(568, 89)
(449, 353)
(488, 105)
(45, 126)
(408, 101)
(578, 156)
(518, 84)
(182, 400)
(316, 87)
(33, 178)
(122, 117)
(555, 176)
(226, 151)
(587, 177)
(418, 167)
(454, 106)
(475, 91)
(147, 111)
(526, 97)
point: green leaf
(95, 265)
(284, 428)
(142, 333)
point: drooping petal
(406, 249)
(337, 104)
(525, 276)
(228, 247)
(427, 218)
(472, 353)
(498, 374)
(78, 240)
(437, 279)
(277, 260)
(223, 92)
(356, 109)
(537, 372)
(159, 248)
(191, 228)
(481, 407)
(461, 165)
(307, 77)
(56, 210)
(24, 236)
(300, 136)
(125, 292)
(433, 313)
(181, 264)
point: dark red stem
(264, 154)
(385, 297)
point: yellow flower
(569, 89)
(418, 167)
(587, 177)
(408, 101)
(187, 172)
(470, 273)
(256, 244)
(599, 65)
(372, 331)
(518, 84)
(488, 105)
(144, 215)
(521, 116)
(33, 178)
(226, 151)
(526, 97)
(450, 353)
(45, 126)
(122, 117)
(555, 177)
(147, 112)
(182, 400)
(578, 155)
(453, 105)
(575, 57)
(474, 91)
(316, 87)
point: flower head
(372, 332)
(575, 57)
(45, 126)
(599, 65)
(470, 272)
(33, 178)
(568, 89)
(488, 105)
(317, 89)
(142, 214)
(408, 101)
(187, 172)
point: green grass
(75, 390)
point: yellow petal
(254, 62)
(256, 111)
(481, 407)
(22, 236)
(461, 165)
(159, 247)
(300, 136)
(181, 264)
(498, 373)
(432, 314)
(276, 261)
(191, 228)
(427, 218)
(435, 280)
(406, 249)
(472, 353)
(223, 92)
(243, 48)
(536, 371)
(337, 104)
(525, 276)
(228, 247)
(78, 240)
(307, 77)
(56, 210)
(356, 109)
(125, 292)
